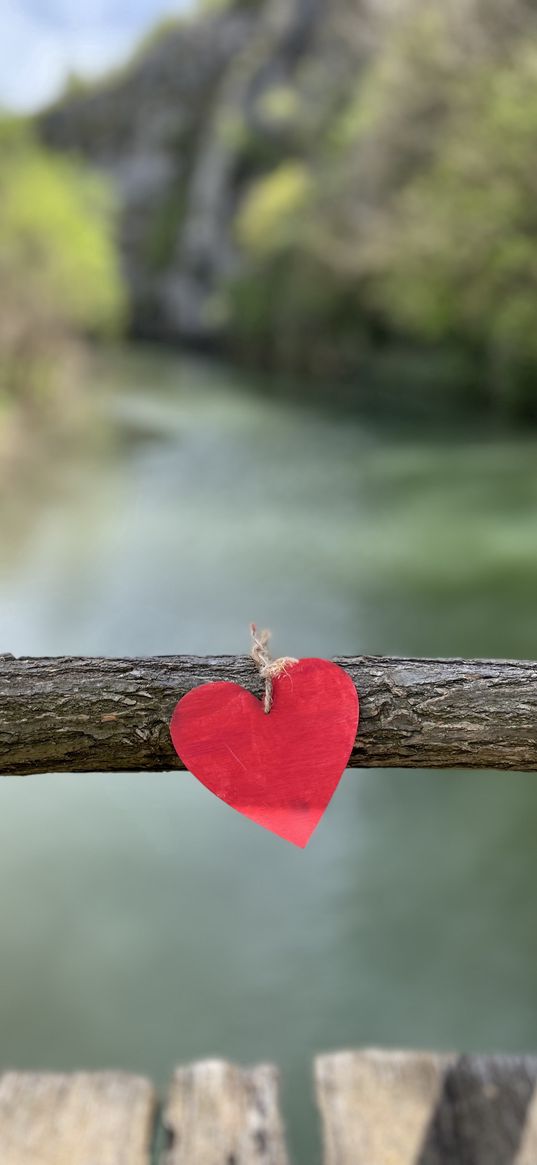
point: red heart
(279, 768)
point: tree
(456, 256)
(59, 275)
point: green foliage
(289, 312)
(458, 252)
(56, 253)
(164, 229)
(416, 214)
(279, 107)
(285, 303)
(270, 218)
(58, 269)
(409, 77)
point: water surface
(142, 922)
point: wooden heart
(281, 768)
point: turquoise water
(143, 923)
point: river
(142, 922)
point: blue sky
(41, 41)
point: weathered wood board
(112, 715)
(407, 1108)
(102, 1118)
(218, 1114)
(377, 1108)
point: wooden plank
(219, 1114)
(110, 715)
(103, 1118)
(376, 1106)
(399, 1108)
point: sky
(42, 41)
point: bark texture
(111, 715)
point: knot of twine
(268, 667)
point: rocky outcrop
(188, 124)
(143, 128)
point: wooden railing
(94, 715)
(376, 1108)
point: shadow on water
(142, 922)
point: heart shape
(281, 768)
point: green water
(143, 923)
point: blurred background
(268, 350)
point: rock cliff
(208, 106)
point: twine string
(268, 668)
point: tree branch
(112, 715)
